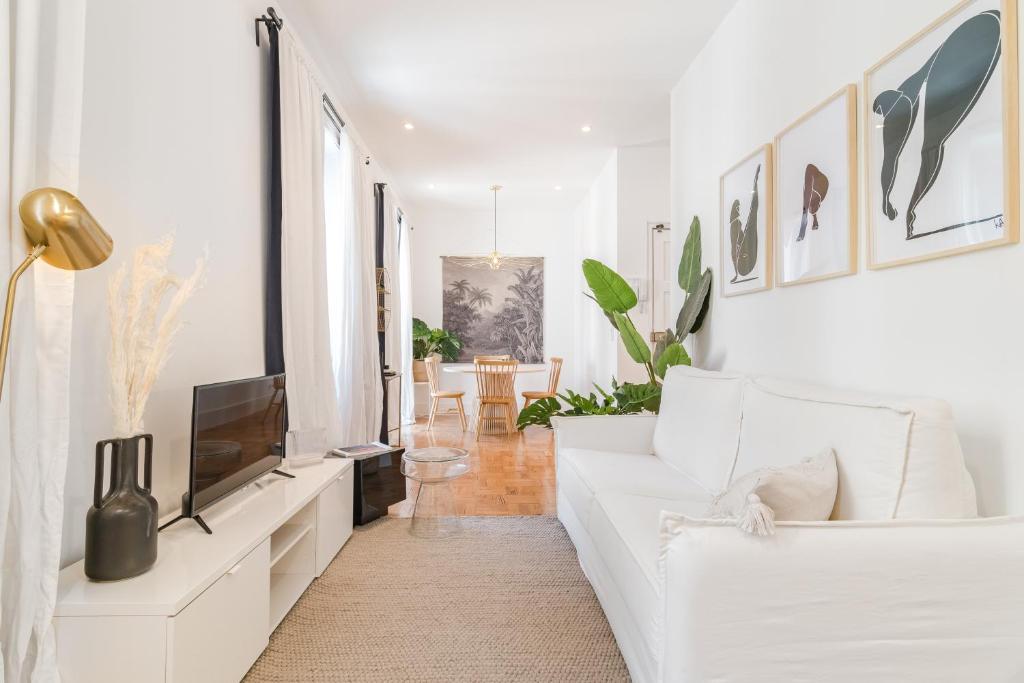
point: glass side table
(434, 514)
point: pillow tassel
(757, 518)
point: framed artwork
(745, 214)
(941, 138)
(495, 311)
(816, 192)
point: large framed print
(941, 138)
(816, 192)
(745, 214)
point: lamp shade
(74, 239)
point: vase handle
(97, 490)
(147, 467)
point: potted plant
(427, 342)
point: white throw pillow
(805, 492)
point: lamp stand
(12, 286)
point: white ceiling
(498, 91)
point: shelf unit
(292, 562)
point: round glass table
(434, 514)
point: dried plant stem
(140, 335)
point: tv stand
(202, 524)
(198, 520)
(205, 611)
(283, 474)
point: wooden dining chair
(496, 387)
(556, 370)
(501, 357)
(433, 364)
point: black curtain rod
(273, 20)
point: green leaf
(635, 345)
(611, 318)
(420, 329)
(611, 292)
(539, 413)
(689, 264)
(632, 398)
(703, 314)
(689, 313)
(674, 354)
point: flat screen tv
(237, 436)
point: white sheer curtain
(40, 129)
(312, 397)
(403, 318)
(353, 303)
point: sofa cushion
(624, 528)
(699, 424)
(874, 438)
(583, 473)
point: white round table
(470, 369)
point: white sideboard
(205, 611)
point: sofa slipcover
(900, 593)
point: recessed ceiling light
(408, 126)
(585, 129)
(558, 188)
(431, 186)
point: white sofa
(905, 583)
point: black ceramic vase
(120, 529)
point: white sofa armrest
(843, 601)
(620, 433)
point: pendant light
(494, 258)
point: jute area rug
(505, 601)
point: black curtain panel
(273, 334)
(378, 197)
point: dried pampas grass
(140, 337)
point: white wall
(438, 232)
(596, 237)
(611, 226)
(947, 328)
(643, 198)
(174, 137)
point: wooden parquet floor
(509, 475)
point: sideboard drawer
(219, 635)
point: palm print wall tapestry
(495, 311)
(816, 194)
(746, 224)
(941, 138)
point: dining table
(490, 421)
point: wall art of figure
(744, 236)
(815, 189)
(816, 209)
(745, 220)
(944, 91)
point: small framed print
(941, 138)
(816, 192)
(745, 214)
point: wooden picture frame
(1002, 228)
(803, 189)
(729, 191)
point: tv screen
(237, 436)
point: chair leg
(526, 403)
(462, 412)
(510, 420)
(479, 418)
(433, 412)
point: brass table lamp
(61, 231)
